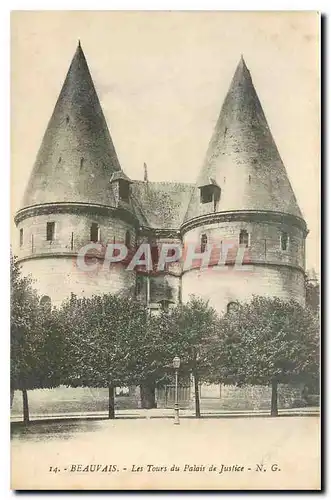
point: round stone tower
(243, 207)
(77, 194)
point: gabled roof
(119, 175)
(77, 156)
(242, 157)
(209, 181)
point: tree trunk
(196, 394)
(26, 418)
(274, 399)
(147, 395)
(111, 401)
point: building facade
(242, 204)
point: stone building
(242, 202)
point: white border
(5, 9)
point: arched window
(45, 302)
(95, 232)
(21, 237)
(232, 307)
(203, 242)
(127, 239)
(243, 238)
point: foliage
(183, 331)
(267, 340)
(100, 345)
(112, 339)
(34, 348)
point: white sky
(161, 79)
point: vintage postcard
(165, 199)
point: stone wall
(53, 264)
(58, 277)
(222, 287)
(256, 397)
(264, 241)
(72, 232)
(268, 270)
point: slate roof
(77, 161)
(77, 156)
(163, 204)
(242, 157)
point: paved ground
(121, 454)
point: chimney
(145, 173)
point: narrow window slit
(203, 242)
(243, 238)
(284, 240)
(50, 231)
(95, 232)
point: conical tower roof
(77, 157)
(242, 157)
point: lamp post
(176, 365)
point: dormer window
(206, 194)
(122, 185)
(124, 190)
(210, 192)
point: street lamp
(176, 365)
